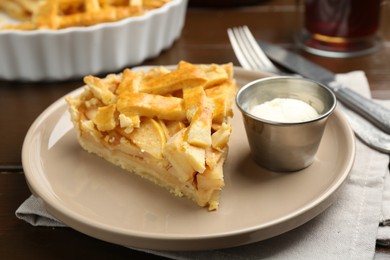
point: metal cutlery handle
(375, 113)
(367, 132)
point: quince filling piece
(169, 126)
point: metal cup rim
(250, 84)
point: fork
(248, 52)
(251, 57)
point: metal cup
(285, 146)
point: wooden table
(204, 40)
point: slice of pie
(168, 126)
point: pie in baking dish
(59, 14)
(168, 126)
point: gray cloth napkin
(347, 230)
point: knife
(373, 112)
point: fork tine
(246, 48)
(256, 48)
(237, 50)
(246, 55)
(247, 51)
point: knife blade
(367, 108)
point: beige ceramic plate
(105, 202)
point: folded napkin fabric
(33, 211)
(385, 217)
(346, 230)
(358, 80)
(383, 236)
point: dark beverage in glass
(340, 28)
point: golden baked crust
(170, 127)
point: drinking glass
(340, 28)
